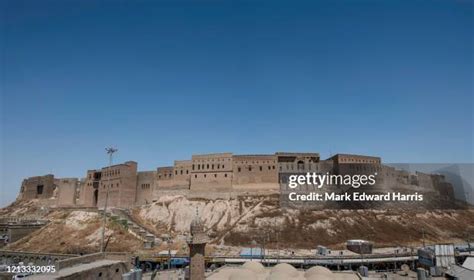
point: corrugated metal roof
(469, 263)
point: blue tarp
(251, 252)
(179, 261)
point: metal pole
(110, 152)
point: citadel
(211, 176)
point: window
(250, 168)
(215, 175)
(213, 166)
(239, 169)
(193, 166)
(181, 172)
(261, 168)
(208, 166)
(39, 189)
(204, 175)
(225, 175)
(187, 171)
(269, 167)
(195, 176)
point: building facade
(216, 173)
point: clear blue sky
(164, 80)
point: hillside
(240, 221)
(69, 231)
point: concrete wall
(17, 232)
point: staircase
(134, 228)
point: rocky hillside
(246, 220)
(240, 222)
(69, 231)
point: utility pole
(278, 248)
(110, 151)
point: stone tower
(197, 243)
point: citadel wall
(89, 191)
(211, 172)
(121, 182)
(145, 185)
(254, 171)
(66, 191)
(37, 187)
(182, 173)
(215, 175)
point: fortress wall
(214, 176)
(165, 177)
(212, 172)
(37, 187)
(89, 189)
(145, 185)
(251, 187)
(121, 180)
(254, 170)
(182, 173)
(297, 162)
(66, 191)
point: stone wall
(89, 191)
(66, 191)
(182, 173)
(145, 185)
(121, 182)
(37, 187)
(165, 177)
(253, 170)
(212, 172)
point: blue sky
(162, 80)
